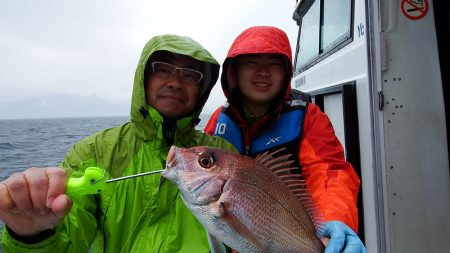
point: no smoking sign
(414, 9)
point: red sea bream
(251, 205)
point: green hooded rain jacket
(144, 214)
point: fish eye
(206, 161)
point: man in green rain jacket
(145, 214)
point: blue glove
(342, 238)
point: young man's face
(260, 77)
(172, 96)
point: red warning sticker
(414, 9)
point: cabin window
(325, 26)
(309, 38)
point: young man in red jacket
(263, 114)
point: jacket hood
(178, 45)
(257, 40)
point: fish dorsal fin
(281, 166)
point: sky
(61, 58)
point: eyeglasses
(167, 70)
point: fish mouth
(170, 172)
(171, 157)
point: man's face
(260, 77)
(172, 96)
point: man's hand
(33, 201)
(342, 238)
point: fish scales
(241, 202)
(267, 198)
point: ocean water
(44, 142)
(28, 143)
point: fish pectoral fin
(217, 246)
(229, 218)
